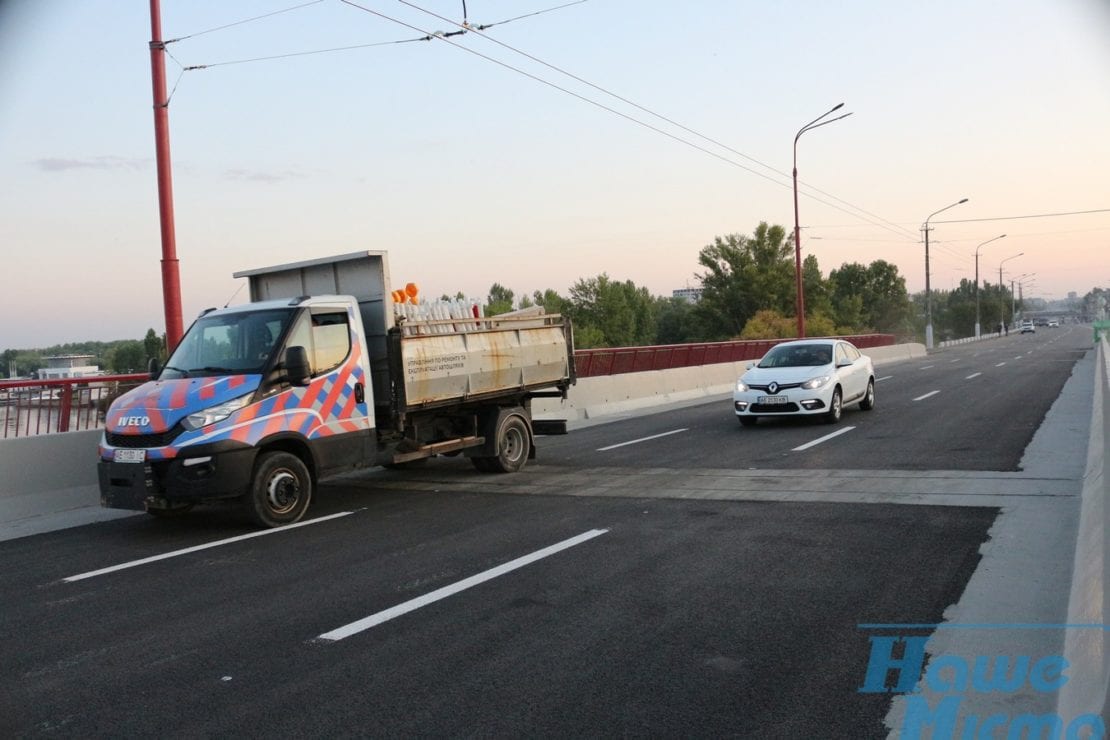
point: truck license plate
(129, 456)
(767, 400)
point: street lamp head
(837, 107)
(962, 201)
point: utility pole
(171, 280)
(928, 287)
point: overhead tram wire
(484, 26)
(442, 37)
(302, 53)
(1032, 215)
(245, 20)
(426, 37)
(647, 110)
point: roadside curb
(1085, 648)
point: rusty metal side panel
(447, 367)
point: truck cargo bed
(503, 356)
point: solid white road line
(885, 377)
(442, 593)
(973, 375)
(819, 440)
(197, 548)
(927, 395)
(641, 439)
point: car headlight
(741, 386)
(814, 383)
(212, 414)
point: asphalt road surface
(558, 601)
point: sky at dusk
(475, 159)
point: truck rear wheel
(281, 490)
(514, 444)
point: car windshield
(238, 343)
(798, 355)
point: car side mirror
(153, 367)
(750, 366)
(297, 370)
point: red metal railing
(590, 363)
(30, 407)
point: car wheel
(748, 421)
(868, 401)
(836, 406)
(280, 491)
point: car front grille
(160, 439)
(782, 386)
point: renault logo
(773, 387)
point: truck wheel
(513, 447)
(280, 491)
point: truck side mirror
(153, 367)
(297, 370)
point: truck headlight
(212, 414)
(814, 383)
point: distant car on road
(1053, 324)
(806, 377)
(1028, 328)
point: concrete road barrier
(1085, 647)
(48, 482)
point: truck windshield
(238, 343)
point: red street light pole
(171, 281)
(801, 300)
(988, 241)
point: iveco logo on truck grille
(134, 421)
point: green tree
(551, 301)
(744, 275)
(127, 356)
(153, 346)
(676, 323)
(499, 300)
(768, 324)
(871, 298)
(817, 293)
(608, 313)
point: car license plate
(773, 400)
(129, 456)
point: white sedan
(806, 377)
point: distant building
(68, 366)
(690, 295)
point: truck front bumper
(164, 484)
